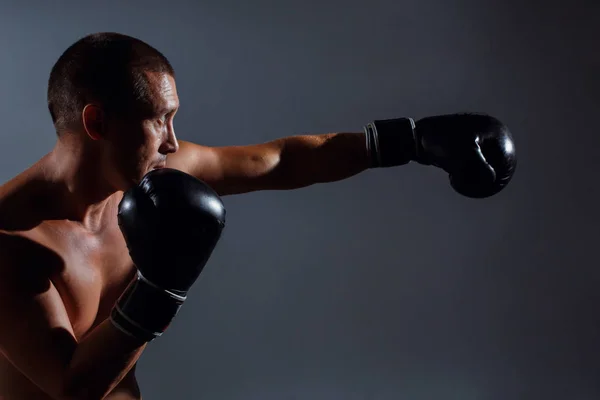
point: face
(140, 142)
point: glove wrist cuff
(145, 311)
(391, 142)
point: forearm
(101, 361)
(309, 159)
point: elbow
(293, 170)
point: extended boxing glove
(476, 150)
(171, 223)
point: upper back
(24, 200)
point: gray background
(387, 285)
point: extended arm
(287, 163)
(476, 150)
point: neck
(85, 189)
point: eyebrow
(168, 110)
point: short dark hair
(106, 67)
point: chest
(96, 271)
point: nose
(170, 144)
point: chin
(155, 167)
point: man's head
(118, 95)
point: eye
(162, 119)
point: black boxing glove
(476, 150)
(171, 223)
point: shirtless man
(65, 264)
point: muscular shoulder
(191, 157)
(230, 169)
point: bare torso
(90, 269)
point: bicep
(35, 335)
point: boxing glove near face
(171, 223)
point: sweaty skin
(63, 259)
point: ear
(94, 121)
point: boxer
(101, 239)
